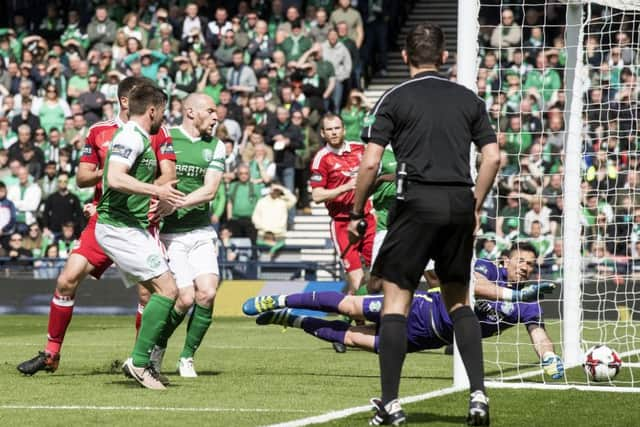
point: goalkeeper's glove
(531, 292)
(552, 365)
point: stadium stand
(60, 63)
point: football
(601, 363)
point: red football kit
(330, 169)
(95, 152)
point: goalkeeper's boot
(146, 376)
(478, 409)
(186, 369)
(42, 362)
(155, 360)
(280, 317)
(390, 414)
(339, 347)
(258, 305)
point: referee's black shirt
(430, 122)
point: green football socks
(196, 330)
(154, 319)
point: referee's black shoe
(390, 414)
(478, 409)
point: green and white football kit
(187, 234)
(122, 218)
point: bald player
(187, 232)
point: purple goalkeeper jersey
(496, 316)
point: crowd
(273, 68)
(521, 79)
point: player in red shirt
(333, 178)
(88, 257)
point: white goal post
(594, 304)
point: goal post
(564, 97)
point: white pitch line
(540, 386)
(143, 408)
(335, 415)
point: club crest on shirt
(207, 154)
(153, 261)
(375, 306)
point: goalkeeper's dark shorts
(433, 222)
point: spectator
(507, 34)
(242, 198)
(24, 138)
(53, 110)
(219, 27)
(211, 85)
(338, 55)
(26, 197)
(356, 66)
(285, 138)
(296, 43)
(33, 160)
(185, 78)
(345, 13)
(49, 181)
(132, 29)
(240, 78)
(353, 115)
(101, 31)
(51, 26)
(544, 81)
(320, 27)
(92, 101)
(270, 217)
(234, 131)
(164, 35)
(312, 142)
(376, 16)
(25, 117)
(7, 136)
(7, 214)
(535, 44)
(79, 83)
(18, 256)
(50, 266)
(150, 61)
(36, 242)
(262, 170)
(541, 214)
(261, 45)
(73, 35)
(510, 215)
(62, 207)
(66, 240)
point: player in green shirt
(187, 233)
(129, 172)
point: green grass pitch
(252, 375)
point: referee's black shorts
(433, 222)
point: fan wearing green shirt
(187, 233)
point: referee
(430, 123)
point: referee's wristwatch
(354, 216)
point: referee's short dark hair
(425, 44)
(144, 96)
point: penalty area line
(143, 408)
(335, 415)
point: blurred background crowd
(273, 68)
(521, 78)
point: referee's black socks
(469, 339)
(391, 354)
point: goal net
(560, 82)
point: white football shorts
(192, 254)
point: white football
(601, 363)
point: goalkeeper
(504, 299)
